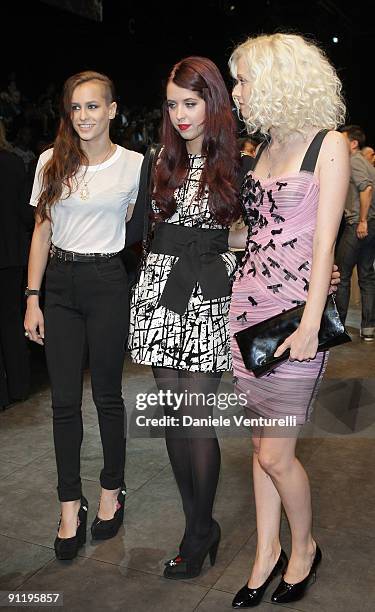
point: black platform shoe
(104, 530)
(249, 598)
(67, 548)
(181, 568)
(286, 592)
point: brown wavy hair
(67, 156)
(220, 171)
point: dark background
(137, 42)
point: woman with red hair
(84, 189)
(179, 314)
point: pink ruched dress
(282, 215)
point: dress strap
(259, 153)
(311, 155)
(246, 165)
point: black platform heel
(67, 548)
(249, 598)
(182, 568)
(286, 592)
(104, 530)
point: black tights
(193, 452)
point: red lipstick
(184, 126)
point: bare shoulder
(334, 153)
(334, 143)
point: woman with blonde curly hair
(293, 198)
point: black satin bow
(199, 261)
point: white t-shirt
(96, 224)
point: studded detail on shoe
(175, 561)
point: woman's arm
(365, 199)
(237, 238)
(129, 212)
(334, 173)
(137, 210)
(40, 246)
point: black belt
(79, 257)
(199, 261)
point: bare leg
(69, 518)
(268, 513)
(108, 504)
(277, 458)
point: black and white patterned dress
(198, 340)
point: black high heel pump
(249, 598)
(286, 592)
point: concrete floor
(337, 449)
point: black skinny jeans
(352, 251)
(86, 309)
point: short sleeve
(361, 176)
(37, 184)
(134, 192)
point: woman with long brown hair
(85, 188)
(179, 314)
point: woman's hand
(335, 278)
(303, 345)
(34, 323)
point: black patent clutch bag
(259, 342)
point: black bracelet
(31, 292)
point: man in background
(369, 154)
(357, 243)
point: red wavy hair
(220, 171)
(67, 155)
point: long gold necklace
(84, 192)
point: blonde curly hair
(293, 86)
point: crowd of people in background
(30, 124)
